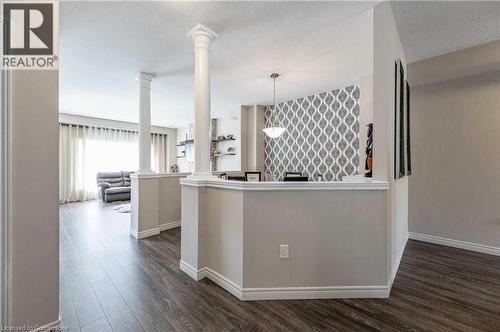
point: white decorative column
(145, 122)
(202, 38)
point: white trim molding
(158, 175)
(294, 186)
(285, 293)
(156, 230)
(395, 268)
(222, 281)
(190, 271)
(144, 234)
(456, 243)
(303, 293)
(169, 225)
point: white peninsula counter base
(336, 232)
(155, 203)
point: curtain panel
(85, 151)
(72, 164)
(159, 153)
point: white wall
(387, 48)
(34, 198)
(455, 186)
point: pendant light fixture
(274, 131)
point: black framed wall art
(399, 120)
(407, 136)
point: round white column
(145, 122)
(202, 38)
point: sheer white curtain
(85, 151)
(72, 164)
(109, 150)
(159, 153)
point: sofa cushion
(115, 179)
(109, 175)
(114, 182)
(117, 190)
(118, 197)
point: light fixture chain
(274, 102)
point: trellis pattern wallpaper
(321, 137)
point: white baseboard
(190, 271)
(156, 230)
(49, 327)
(395, 268)
(302, 293)
(285, 293)
(134, 233)
(169, 225)
(222, 281)
(456, 243)
(146, 233)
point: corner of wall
(388, 48)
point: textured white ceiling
(431, 28)
(315, 46)
(103, 45)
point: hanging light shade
(274, 131)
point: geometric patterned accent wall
(321, 137)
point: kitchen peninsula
(334, 236)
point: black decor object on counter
(296, 179)
(236, 178)
(252, 176)
(369, 151)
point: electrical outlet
(284, 251)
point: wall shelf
(224, 154)
(188, 141)
(223, 140)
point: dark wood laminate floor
(110, 281)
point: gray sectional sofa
(114, 186)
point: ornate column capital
(202, 36)
(145, 79)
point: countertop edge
(294, 186)
(158, 175)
